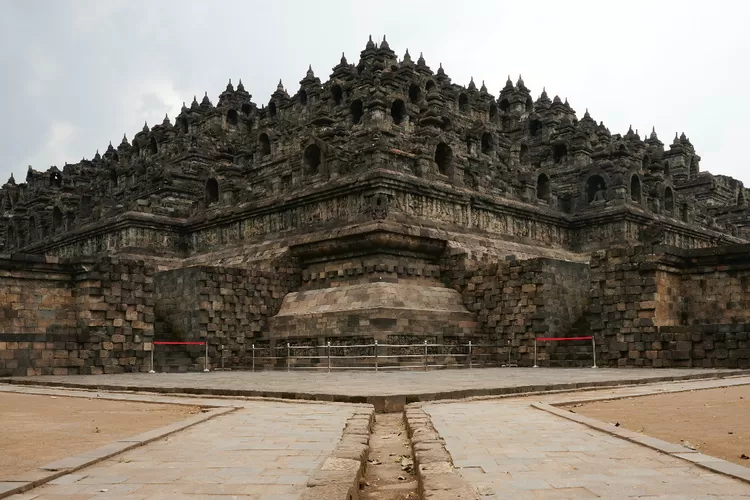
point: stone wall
(663, 306)
(227, 306)
(517, 301)
(62, 317)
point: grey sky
(77, 74)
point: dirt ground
(714, 421)
(36, 430)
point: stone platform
(387, 391)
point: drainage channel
(390, 470)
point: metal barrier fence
(378, 356)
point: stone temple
(385, 203)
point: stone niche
(378, 284)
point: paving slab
(387, 391)
(507, 449)
(262, 450)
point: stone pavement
(266, 450)
(506, 449)
(349, 384)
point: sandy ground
(714, 421)
(36, 430)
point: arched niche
(153, 147)
(337, 94)
(232, 117)
(313, 159)
(635, 188)
(357, 111)
(596, 189)
(463, 102)
(264, 145)
(523, 154)
(443, 158)
(543, 189)
(529, 105)
(398, 111)
(504, 105)
(559, 153)
(57, 220)
(488, 143)
(415, 93)
(55, 179)
(272, 109)
(212, 191)
(303, 97)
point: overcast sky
(77, 74)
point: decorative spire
(566, 103)
(166, 120)
(441, 71)
(240, 87)
(483, 88)
(280, 87)
(420, 61)
(544, 93)
(183, 106)
(520, 83)
(145, 127)
(310, 73)
(653, 133)
(205, 101)
(384, 44)
(472, 85)
(194, 104)
(407, 58)
(343, 59)
(110, 148)
(97, 156)
(508, 83)
(557, 100)
(370, 44)
(12, 180)
(230, 87)
(586, 114)
(683, 137)
(124, 140)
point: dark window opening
(232, 117)
(463, 103)
(10, 237)
(57, 219)
(303, 97)
(596, 189)
(560, 152)
(523, 154)
(113, 177)
(246, 108)
(398, 111)
(32, 229)
(183, 124)
(645, 162)
(535, 128)
(429, 85)
(212, 191)
(312, 158)
(666, 168)
(115, 157)
(529, 105)
(543, 187)
(357, 110)
(55, 179)
(338, 94)
(684, 212)
(443, 157)
(488, 144)
(360, 67)
(504, 105)
(668, 200)
(493, 110)
(447, 124)
(622, 148)
(272, 109)
(264, 144)
(741, 197)
(635, 189)
(414, 93)
(153, 148)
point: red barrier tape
(179, 343)
(563, 338)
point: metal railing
(375, 356)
